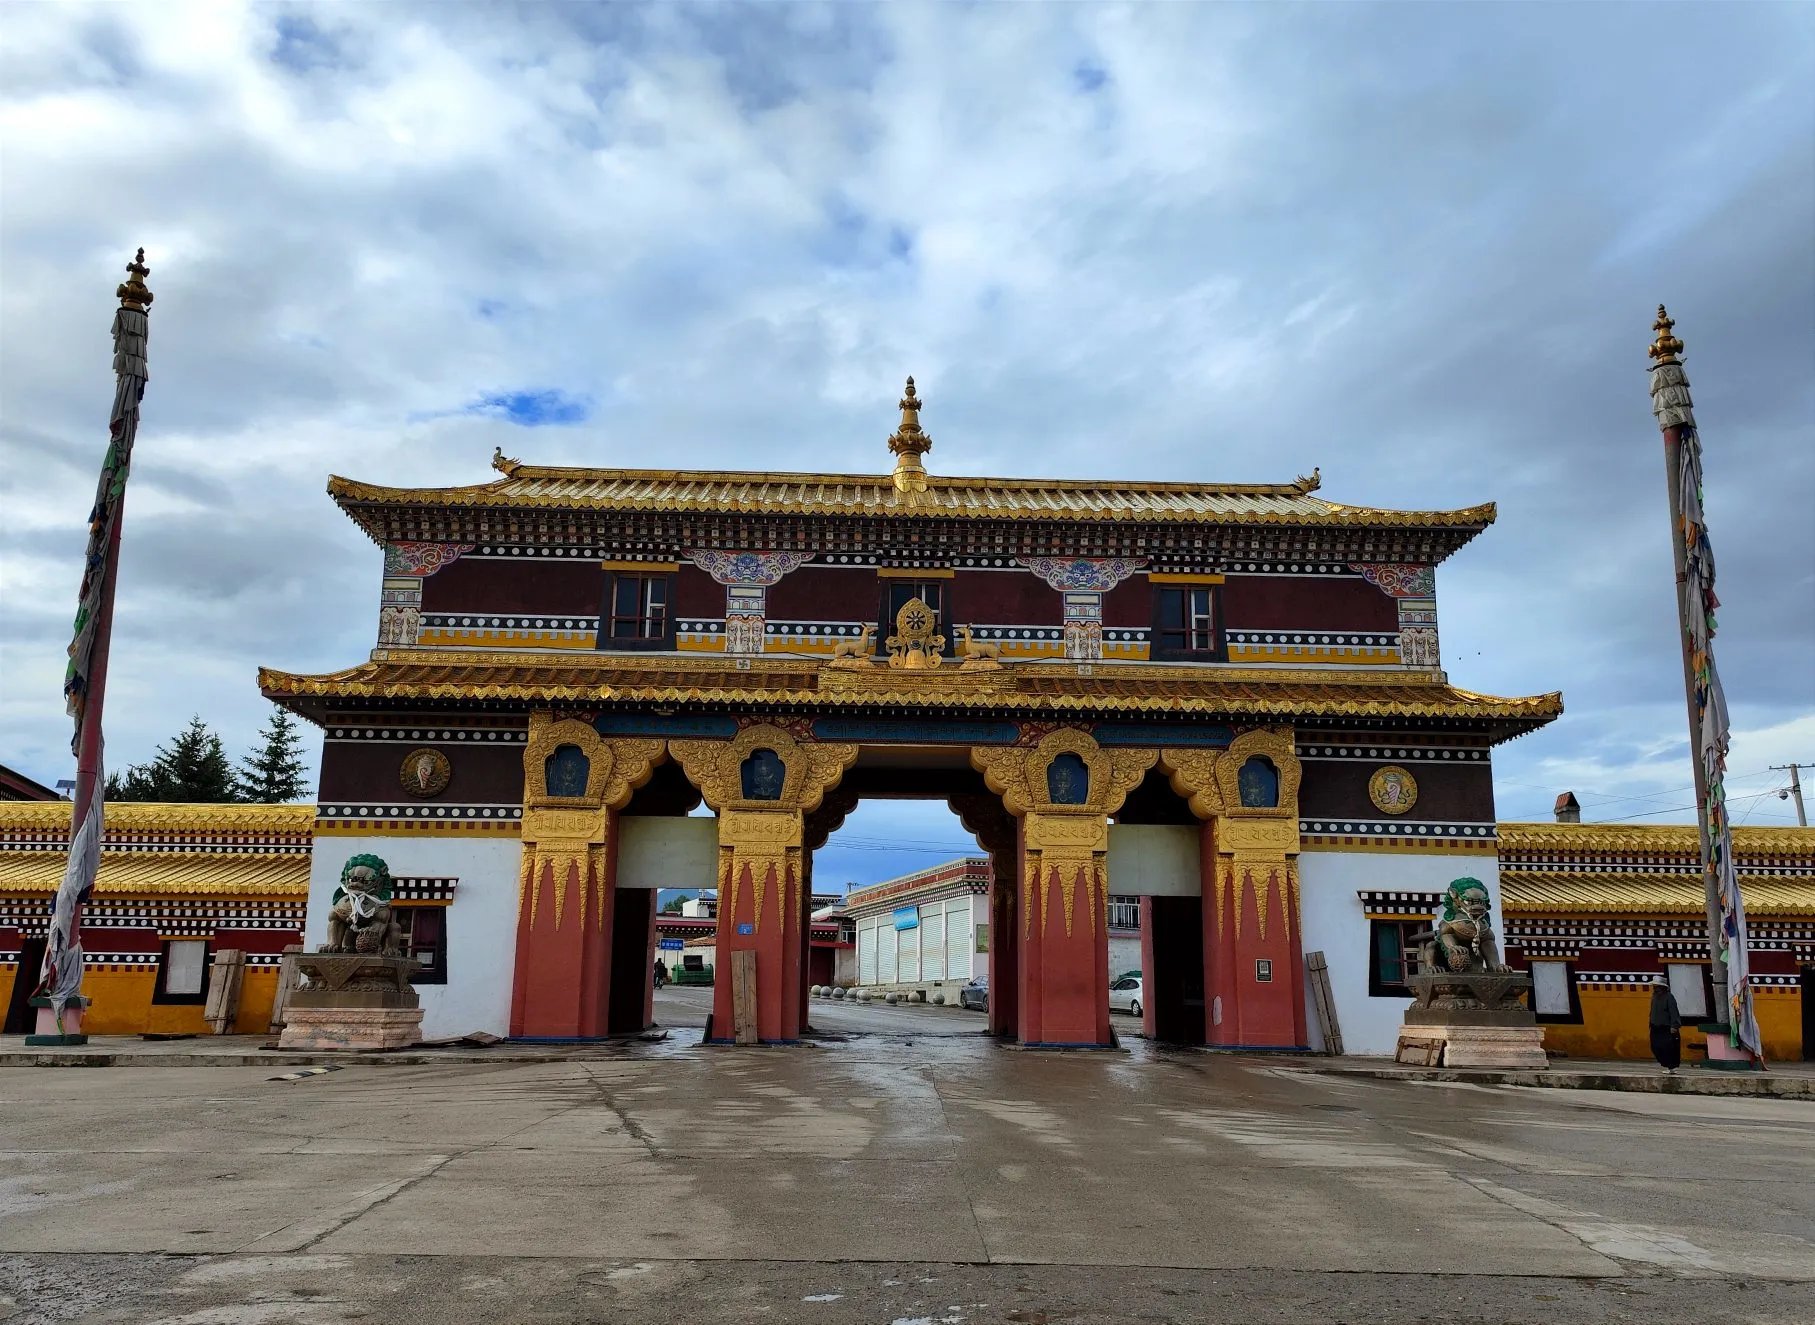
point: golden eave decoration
(1569, 892)
(609, 680)
(201, 873)
(732, 492)
(126, 819)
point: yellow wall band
(1167, 577)
(654, 567)
(915, 573)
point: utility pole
(1802, 815)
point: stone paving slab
(1791, 1081)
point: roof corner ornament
(504, 464)
(1312, 481)
(908, 444)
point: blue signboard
(746, 929)
(907, 917)
(668, 945)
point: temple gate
(1223, 699)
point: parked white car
(1125, 995)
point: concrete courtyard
(889, 1176)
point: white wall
(1335, 923)
(481, 921)
(1124, 955)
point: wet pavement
(901, 1176)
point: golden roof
(166, 873)
(1548, 840)
(534, 487)
(1570, 892)
(421, 674)
(125, 818)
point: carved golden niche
(1024, 778)
(808, 768)
(1276, 745)
(567, 833)
(1063, 789)
(764, 832)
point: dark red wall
(1338, 789)
(369, 771)
(537, 586)
(1306, 602)
(820, 593)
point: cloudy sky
(1419, 246)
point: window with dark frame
(1184, 621)
(638, 611)
(1392, 956)
(898, 594)
(182, 972)
(424, 942)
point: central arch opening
(911, 886)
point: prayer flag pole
(1737, 1039)
(59, 994)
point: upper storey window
(637, 612)
(1185, 623)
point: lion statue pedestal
(1467, 1010)
(355, 993)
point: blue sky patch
(533, 409)
(1088, 77)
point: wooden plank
(1324, 1003)
(743, 996)
(223, 990)
(286, 983)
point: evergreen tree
(273, 773)
(672, 907)
(192, 768)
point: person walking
(1666, 1026)
(660, 972)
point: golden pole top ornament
(909, 443)
(132, 292)
(1666, 347)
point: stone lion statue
(1461, 938)
(361, 919)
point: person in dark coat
(1666, 1026)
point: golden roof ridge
(1601, 837)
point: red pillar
(1253, 949)
(563, 953)
(1065, 963)
(749, 924)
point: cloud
(1418, 247)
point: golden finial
(1666, 347)
(1312, 481)
(909, 444)
(132, 292)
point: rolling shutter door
(908, 963)
(932, 942)
(866, 951)
(885, 951)
(958, 938)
